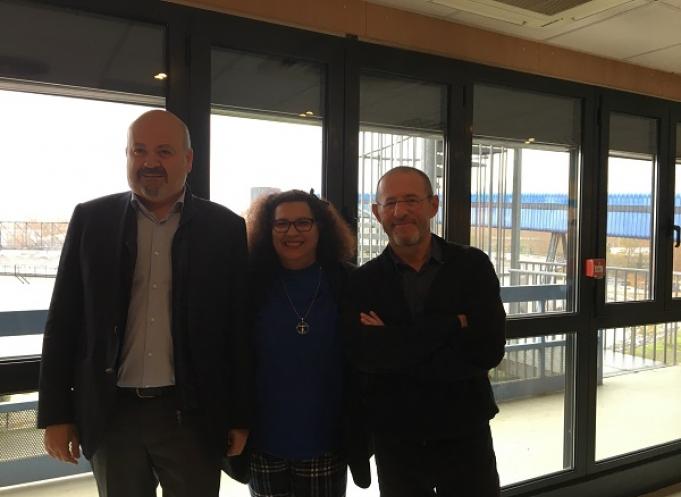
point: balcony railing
(535, 365)
(24, 271)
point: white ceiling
(641, 32)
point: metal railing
(627, 284)
(548, 279)
(24, 271)
(529, 367)
(539, 365)
(633, 348)
(32, 235)
(535, 287)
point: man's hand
(61, 442)
(370, 319)
(236, 441)
(463, 320)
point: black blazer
(87, 315)
(356, 435)
(426, 378)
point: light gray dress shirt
(147, 353)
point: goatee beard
(402, 241)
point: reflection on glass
(639, 371)
(80, 50)
(70, 161)
(631, 191)
(525, 162)
(676, 275)
(266, 126)
(401, 124)
(533, 387)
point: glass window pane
(639, 371)
(676, 274)
(631, 190)
(533, 386)
(266, 127)
(68, 156)
(68, 140)
(525, 163)
(402, 123)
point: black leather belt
(146, 393)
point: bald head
(417, 173)
(167, 120)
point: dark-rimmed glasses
(302, 224)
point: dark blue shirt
(416, 284)
(298, 377)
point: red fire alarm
(594, 268)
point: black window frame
(190, 34)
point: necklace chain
(303, 327)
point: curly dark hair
(336, 240)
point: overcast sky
(57, 151)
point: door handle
(677, 235)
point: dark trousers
(147, 443)
(462, 467)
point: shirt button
(153, 320)
(155, 252)
(149, 354)
(154, 285)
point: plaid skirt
(324, 476)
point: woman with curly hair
(304, 435)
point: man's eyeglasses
(409, 203)
(302, 224)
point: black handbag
(238, 467)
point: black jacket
(356, 437)
(427, 377)
(87, 315)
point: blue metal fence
(629, 215)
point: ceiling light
(160, 76)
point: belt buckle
(138, 392)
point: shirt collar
(435, 257)
(140, 207)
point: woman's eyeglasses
(302, 224)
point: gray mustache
(153, 171)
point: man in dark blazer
(146, 364)
(425, 325)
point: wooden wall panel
(392, 27)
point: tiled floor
(673, 491)
(84, 486)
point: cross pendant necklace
(303, 327)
